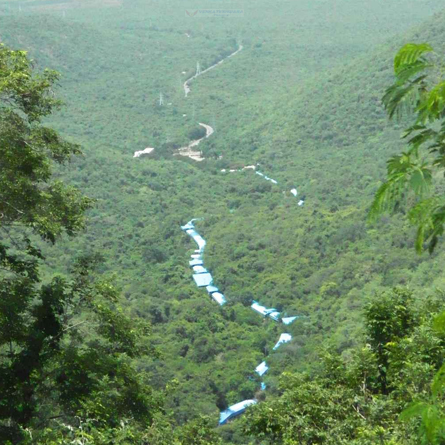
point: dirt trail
(187, 89)
(188, 151)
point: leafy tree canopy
(29, 194)
(356, 397)
(66, 346)
(415, 177)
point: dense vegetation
(419, 86)
(373, 393)
(66, 348)
(303, 100)
(356, 397)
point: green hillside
(302, 100)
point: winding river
(203, 278)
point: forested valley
(301, 143)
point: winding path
(188, 151)
(187, 89)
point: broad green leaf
(388, 194)
(400, 99)
(406, 72)
(436, 100)
(420, 180)
(422, 137)
(415, 409)
(439, 323)
(439, 381)
(420, 238)
(410, 54)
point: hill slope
(275, 104)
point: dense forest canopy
(302, 102)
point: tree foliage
(29, 194)
(347, 402)
(419, 89)
(67, 348)
(318, 129)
